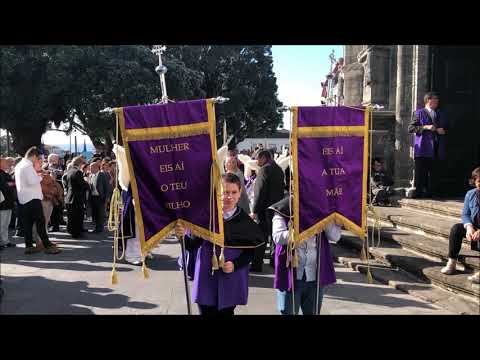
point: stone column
(420, 65)
(353, 84)
(403, 112)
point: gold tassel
(369, 277)
(221, 259)
(290, 244)
(114, 277)
(363, 255)
(146, 275)
(214, 260)
(295, 259)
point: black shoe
(19, 234)
(95, 231)
(54, 229)
(3, 247)
(11, 245)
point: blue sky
(299, 70)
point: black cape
(241, 231)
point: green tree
(245, 75)
(71, 84)
(32, 92)
(41, 85)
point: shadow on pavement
(363, 294)
(22, 296)
(72, 266)
(262, 280)
(163, 262)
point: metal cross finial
(332, 56)
(161, 70)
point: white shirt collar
(228, 214)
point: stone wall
(395, 77)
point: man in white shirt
(27, 182)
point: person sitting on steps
(380, 184)
(469, 228)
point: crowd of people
(256, 198)
(36, 190)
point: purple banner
(330, 169)
(170, 151)
(330, 116)
(171, 114)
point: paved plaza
(77, 281)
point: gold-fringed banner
(171, 155)
(330, 169)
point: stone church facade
(397, 77)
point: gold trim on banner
(133, 182)
(296, 193)
(330, 131)
(327, 131)
(208, 127)
(334, 218)
(168, 132)
(196, 230)
(365, 172)
(216, 170)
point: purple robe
(220, 289)
(428, 143)
(283, 275)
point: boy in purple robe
(219, 292)
(305, 275)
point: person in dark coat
(269, 189)
(57, 214)
(218, 292)
(98, 195)
(7, 203)
(76, 189)
(429, 127)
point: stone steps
(452, 208)
(406, 282)
(427, 269)
(434, 226)
(436, 248)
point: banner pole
(319, 249)
(161, 70)
(184, 265)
